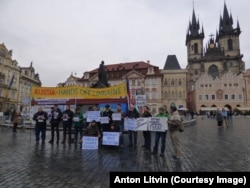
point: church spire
(194, 28)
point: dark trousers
(78, 130)
(55, 127)
(158, 136)
(132, 136)
(40, 129)
(67, 129)
(147, 139)
(14, 127)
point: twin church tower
(219, 56)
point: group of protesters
(96, 128)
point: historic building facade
(15, 82)
(144, 79)
(174, 83)
(219, 58)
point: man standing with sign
(56, 115)
(147, 134)
(132, 135)
(107, 113)
(40, 118)
(160, 135)
(67, 123)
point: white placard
(116, 116)
(142, 124)
(93, 115)
(76, 119)
(110, 138)
(104, 120)
(141, 100)
(89, 142)
(157, 124)
(130, 124)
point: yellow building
(15, 82)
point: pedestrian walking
(16, 115)
(56, 116)
(40, 118)
(225, 116)
(219, 118)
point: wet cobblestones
(205, 147)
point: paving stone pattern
(205, 148)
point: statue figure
(102, 77)
(102, 73)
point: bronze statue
(102, 77)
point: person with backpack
(174, 129)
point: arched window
(230, 44)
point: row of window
(226, 97)
(173, 82)
(225, 85)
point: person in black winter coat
(147, 134)
(132, 135)
(67, 118)
(40, 118)
(56, 116)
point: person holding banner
(78, 124)
(67, 123)
(132, 135)
(160, 135)
(56, 115)
(147, 134)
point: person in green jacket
(160, 135)
(78, 124)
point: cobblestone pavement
(205, 147)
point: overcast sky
(65, 36)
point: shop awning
(213, 108)
(243, 108)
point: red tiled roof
(125, 66)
